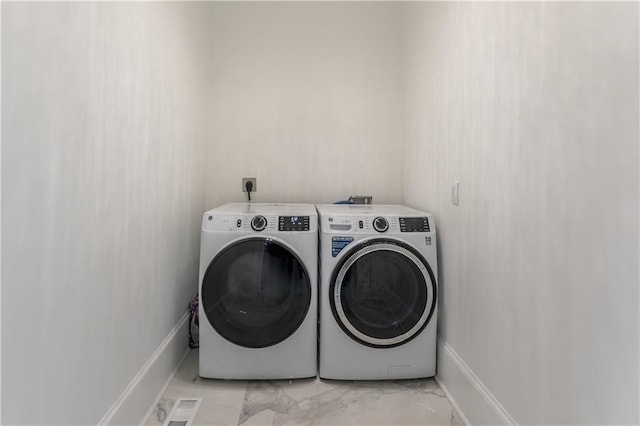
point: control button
(239, 223)
(258, 223)
(360, 224)
(210, 218)
(380, 224)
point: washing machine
(258, 291)
(378, 292)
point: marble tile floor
(306, 401)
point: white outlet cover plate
(255, 184)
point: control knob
(380, 224)
(258, 223)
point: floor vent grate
(183, 412)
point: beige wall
(533, 108)
(307, 98)
(102, 194)
(122, 122)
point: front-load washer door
(256, 292)
(382, 293)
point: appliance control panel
(414, 224)
(293, 223)
(377, 224)
(258, 223)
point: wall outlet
(455, 193)
(253, 180)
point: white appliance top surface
(367, 210)
(265, 209)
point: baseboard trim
(131, 407)
(469, 396)
(153, 406)
(453, 402)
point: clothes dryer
(378, 292)
(258, 291)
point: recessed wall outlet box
(253, 180)
(455, 193)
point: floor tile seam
(244, 401)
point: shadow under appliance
(258, 285)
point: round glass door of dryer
(256, 293)
(383, 293)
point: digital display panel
(293, 223)
(414, 224)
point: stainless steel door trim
(338, 298)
